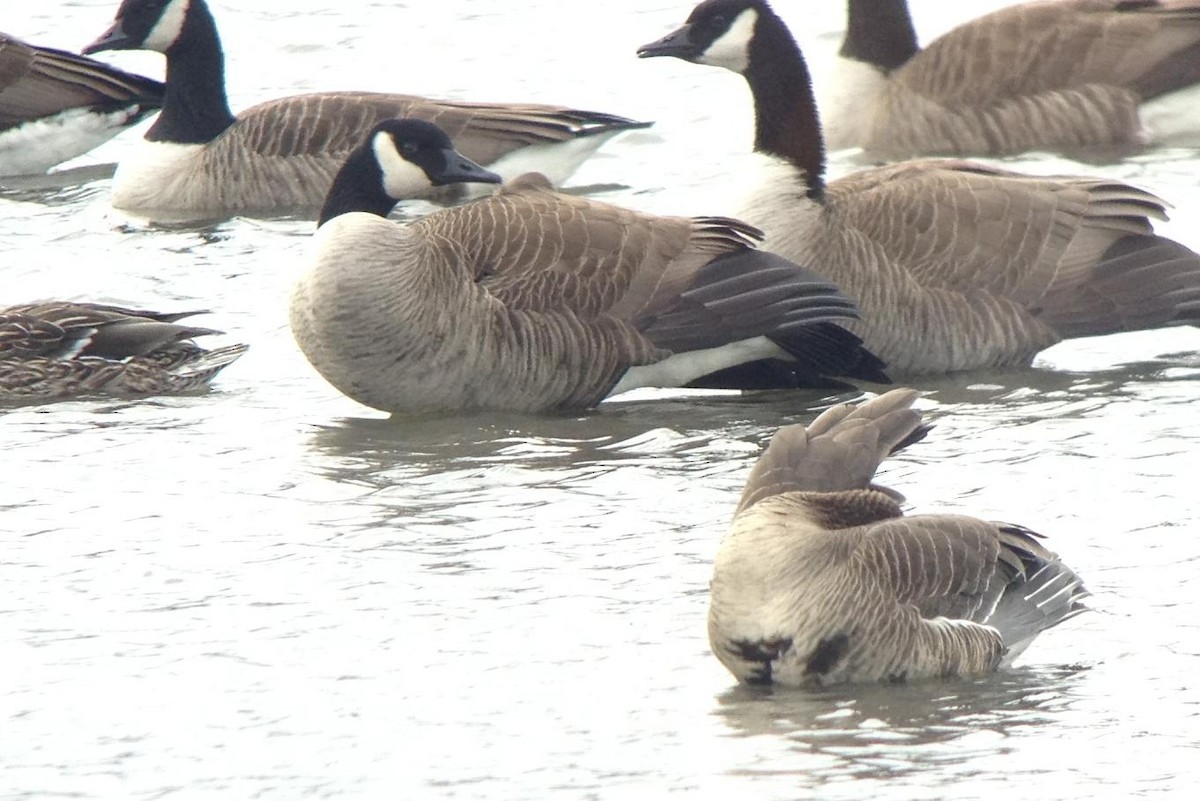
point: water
(271, 592)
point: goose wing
(37, 82)
(1036, 48)
(980, 228)
(333, 123)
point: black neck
(195, 109)
(880, 33)
(787, 124)
(358, 186)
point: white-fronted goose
(954, 265)
(1059, 75)
(56, 105)
(822, 579)
(280, 156)
(60, 349)
(534, 300)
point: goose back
(823, 579)
(1060, 74)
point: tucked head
(399, 159)
(145, 25)
(717, 33)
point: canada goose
(1056, 75)
(534, 300)
(281, 156)
(61, 349)
(954, 265)
(56, 105)
(822, 579)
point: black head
(399, 159)
(717, 32)
(145, 25)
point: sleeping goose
(280, 156)
(532, 300)
(821, 578)
(61, 349)
(56, 105)
(1056, 75)
(954, 265)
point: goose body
(280, 156)
(954, 265)
(56, 105)
(822, 579)
(1059, 75)
(533, 300)
(62, 349)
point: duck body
(821, 578)
(62, 349)
(56, 105)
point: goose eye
(408, 148)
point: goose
(56, 105)
(280, 156)
(533, 300)
(954, 265)
(51, 350)
(1058, 75)
(822, 579)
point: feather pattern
(1058, 75)
(822, 579)
(60, 349)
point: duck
(532, 300)
(1067, 76)
(279, 157)
(955, 265)
(822, 579)
(55, 349)
(56, 105)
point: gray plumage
(955, 265)
(59, 349)
(822, 578)
(80, 102)
(1054, 75)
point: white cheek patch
(732, 49)
(169, 26)
(401, 178)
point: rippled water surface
(271, 592)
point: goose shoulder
(58, 349)
(821, 577)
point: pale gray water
(270, 592)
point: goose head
(148, 25)
(717, 33)
(399, 159)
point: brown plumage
(1051, 75)
(60, 349)
(95, 101)
(822, 579)
(954, 265)
(532, 300)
